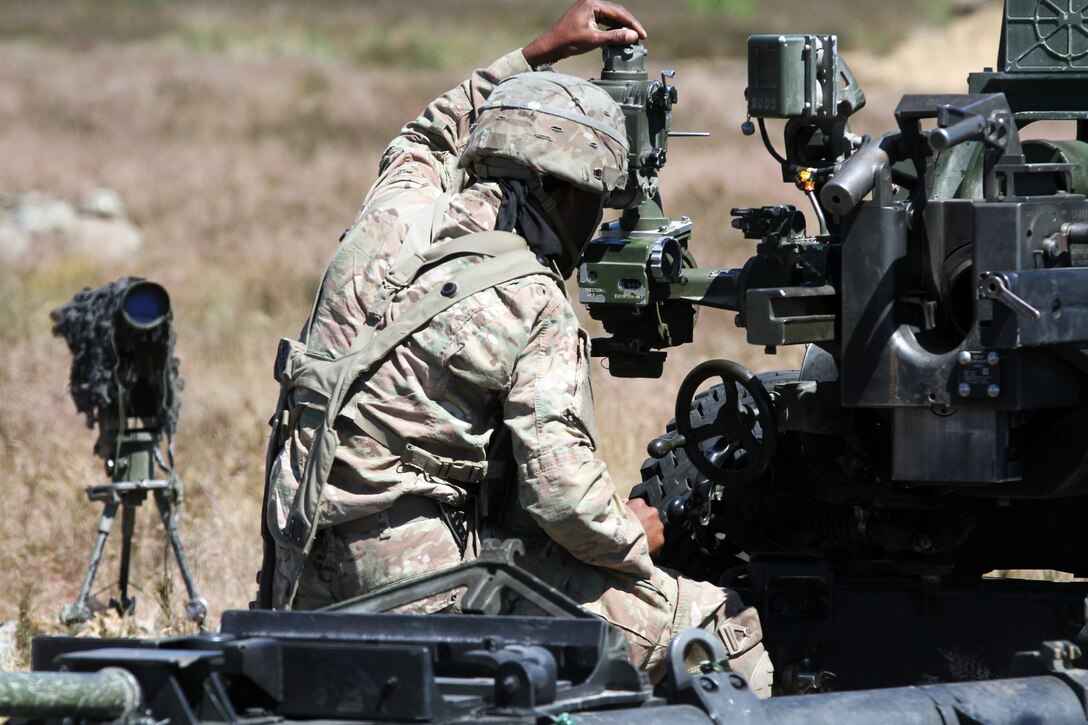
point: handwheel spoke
(704, 432)
(725, 459)
(748, 438)
(732, 399)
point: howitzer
(933, 432)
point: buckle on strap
(441, 467)
(377, 310)
(735, 636)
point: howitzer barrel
(1034, 699)
(854, 179)
(109, 694)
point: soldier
(440, 393)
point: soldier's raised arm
(426, 150)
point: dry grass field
(242, 137)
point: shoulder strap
(319, 373)
(489, 244)
(421, 232)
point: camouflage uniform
(511, 355)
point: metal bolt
(737, 682)
(964, 390)
(993, 391)
(509, 684)
(964, 358)
(992, 358)
(708, 684)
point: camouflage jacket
(513, 354)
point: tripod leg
(128, 527)
(197, 608)
(78, 612)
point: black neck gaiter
(515, 212)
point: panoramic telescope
(124, 379)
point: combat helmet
(546, 124)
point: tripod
(134, 468)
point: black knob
(676, 510)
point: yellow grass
(242, 159)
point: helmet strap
(571, 246)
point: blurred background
(220, 148)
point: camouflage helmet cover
(551, 124)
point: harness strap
(319, 373)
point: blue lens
(145, 305)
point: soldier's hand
(650, 518)
(577, 32)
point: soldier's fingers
(619, 36)
(618, 15)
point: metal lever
(967, 129)
(666, 95)
(660, 447)
(996, 287)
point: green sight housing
(627, 271)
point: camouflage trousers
(650, 612)
(355, 558)
(350, 560)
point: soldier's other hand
(650, 518)
(577, 32)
